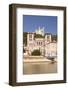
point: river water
(39, 68)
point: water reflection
(39, 68)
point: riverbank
(38, 59)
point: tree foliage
(25, 38)
(36, 52)
(54, 37)
(38, 36)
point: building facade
(45, 44)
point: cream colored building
(46, 46)
(51, 49)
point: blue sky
(32, 22)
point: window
(30, 37)
(41, 43)
(48, 38)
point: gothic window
(48, 38)
(30, 37)
(39, 43)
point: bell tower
(48, 38)
(30, 39)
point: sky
(33, 22)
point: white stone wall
(48, 40)
(51, 49)
(47, 47)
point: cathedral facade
(45, 44)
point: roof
(48, 34)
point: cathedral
(39, 40)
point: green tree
(25, 38)
(36, 52)
(38, 36)
(54, 37)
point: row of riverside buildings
(45, 44)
